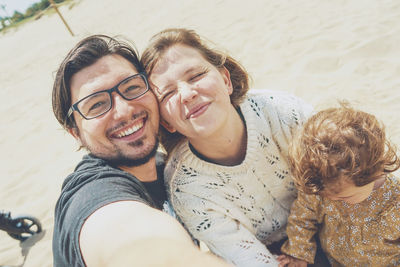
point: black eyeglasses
(96, 104)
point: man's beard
(120, 159)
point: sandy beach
(320, 50)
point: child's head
(339, 148)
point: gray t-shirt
(92, 185)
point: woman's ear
(167, 126)
(227, 78)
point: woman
(227, 174)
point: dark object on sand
(21, 227)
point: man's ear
(167, 126)
(74, 131)
(227, 78)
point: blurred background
(319, 50)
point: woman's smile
(197, 110)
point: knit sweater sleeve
(224, 235)
(284, 112)
(305, 215)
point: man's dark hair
(84, 54)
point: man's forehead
(103, 74)
(107, 64)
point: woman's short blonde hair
(160, 43)
(341, 143)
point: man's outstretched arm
(130, 233)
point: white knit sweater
(237, 210)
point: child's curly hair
(340, 143)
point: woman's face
(193, 95)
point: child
(341, 163)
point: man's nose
(121, 107)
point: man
(109, 209)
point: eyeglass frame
(74, 107)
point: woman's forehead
(176, 53)
(178, 58)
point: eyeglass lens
(100, 103)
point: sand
(319, 50)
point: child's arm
(305, 215)
(289, 261)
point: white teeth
(131, 130)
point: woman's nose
(187, 92)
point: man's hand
(289, 261)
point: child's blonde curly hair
(340, 144)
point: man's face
(127, 134)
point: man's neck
(144, 173)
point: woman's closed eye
(197, 76)
(167, 95)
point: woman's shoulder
(278, 105)
(176, 157)
(278, 99)
(182, 163)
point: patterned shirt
(238, 210)
(363, 234)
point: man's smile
(126, 130)
(136, 127)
